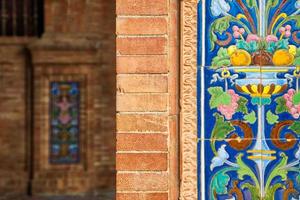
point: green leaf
(218, 97)
(219, 183)
(298, 52)
(242, 105)
(272, 3)
(220, 130)
(271, 47)
(250, 118)
(242, 44)
(218, 26)
(295, 127)
(297, 61)
(244, 170)
(272, 118)
(281, 105)
(253, 47)
(222, 59)
(270, 194)
(255, 191)
(282, 44)
(298, 178)
(251, 3)
(296, 18)
(296, 98)
(279, 170)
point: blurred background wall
(61, 41)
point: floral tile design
(237, 174)
(249, 99)
(234, 115)
(249, 32)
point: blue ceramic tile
(281, 175)
(249, 173)
(249, 99)
(283, 106)
(229, 101)
(256, 32)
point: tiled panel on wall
(248, 99)
(64, 111)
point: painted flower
(271, 38)
(220, 159)
(252, 37)
(219, 7)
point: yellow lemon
(292, 49)
(282, 57)
(231, 49)
(240, 58)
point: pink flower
(288, 27)
(235, 28)
(288, 34)
(236, 34)
(271, 38)
(281, 29)
(242, 31)
(252, 37)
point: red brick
(142, 196)
(141, 45)
(141, 161)
(142, 182)
(142, 142)
(142, 7)
(142, 64)
(146, 25)
(142, 102)
(142, 83)
(142, 123)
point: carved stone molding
(188, 187)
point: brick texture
(142, 84)
(142, 196)
(141, 142)
(142, 123)
(141, 26)
(79, 40)
(141, 46)
(147, 99)
(142, 161)
(142, 102)
(142, 7)
(142, 181)
(142, 64)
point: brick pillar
(147, 100)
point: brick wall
(80, 35)
(79, 38)
(13, 138)
(147, 99)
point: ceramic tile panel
(248, 33)
(248, 99)
(228, 100)
(249, 173)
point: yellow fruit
(240, 58)
(282, 57)
(292, 49)
(231, 50)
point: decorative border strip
(188, 122)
